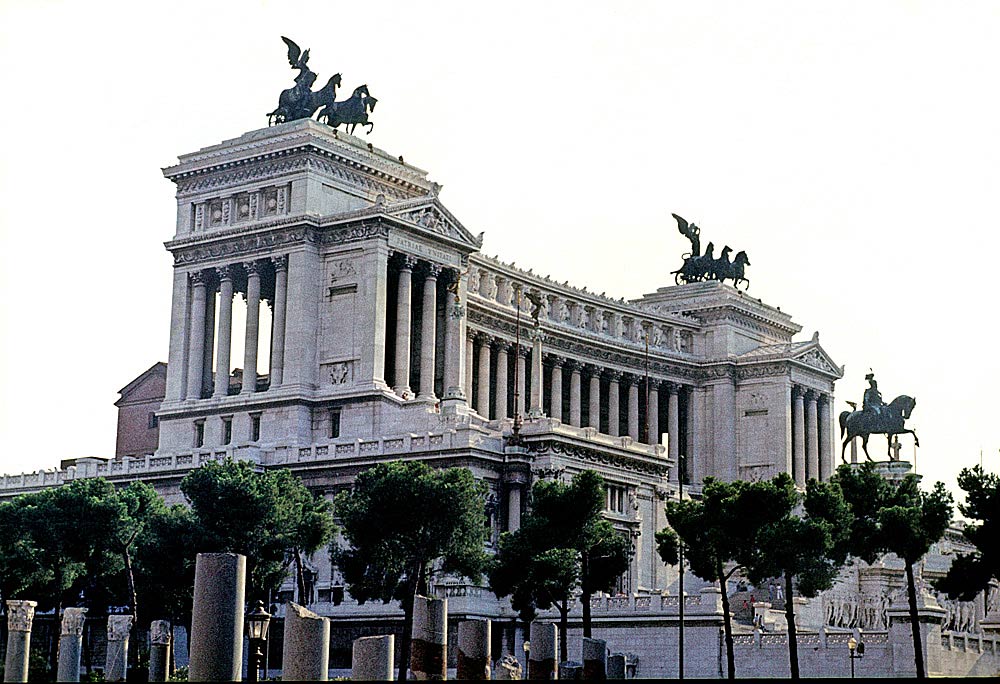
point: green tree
(899, 518)
(806, 548)
(970, 573)
(164, 565)
(400, 521)
(267, 516)
(564, 543)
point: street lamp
(855, 651)
(257, 623)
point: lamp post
(855, 650)
(257, 623)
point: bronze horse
(889, 423)
(350, 112)
(298, 102)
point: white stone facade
(392, 337)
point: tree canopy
(269, 517)
(402, 521)
(565, 543)
(970, 573)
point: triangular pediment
(428, 216)
(814, 356)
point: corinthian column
(253, 328)
(20, 615)
(535, 411)
(614, 422)
(222, 355)
(798, 438)
(673, 424)
(633, 408)
(574, 392)
(278, 320)
(403, 305)
(555, 393)
(653, 413)
(825, 455)
(483, 393)
(594, 399)
(196, 351)
(428, 333)
(522, 379)
(812, 437)
(500, 400)
(454, 333)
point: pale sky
(851, 148)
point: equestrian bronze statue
(876, 418)
(302, 102)
(698, 267)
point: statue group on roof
(698, 267)
(302, 102)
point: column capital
(433, 271)
(592, 370)
(674, 388)
(524, 351)
(225, 273)
(797, 392)
(614, 375)
(198, 278)
(20, 615)
(811, 395)
(280, 262)
(73, 621)
(407, 262)
(252, 268)
(557, 361)
(483, 338)
(119, 626)
(574, 365)
(502, 345)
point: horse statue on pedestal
(888, 421)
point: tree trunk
(727, 621)
(585, 586)
(563, 631)
(793, 644)
(300, 580)
(130, 582)
(918, 649)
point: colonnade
(259, 279)
(811, 435)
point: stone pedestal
(594, 653)
(930, 616)
(429, 648)
(116, 657)
(20, 615)
(473, 649)
(306, 646)
(70, 644)
(616, 666)
(542, 656)
(372, 658)
(159, 651)
(217, 617)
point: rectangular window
(254, 427)
(227, 430)
(199, 433)
(153, 421)
(334, 423)
(617, 499)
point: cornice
(632, 463)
